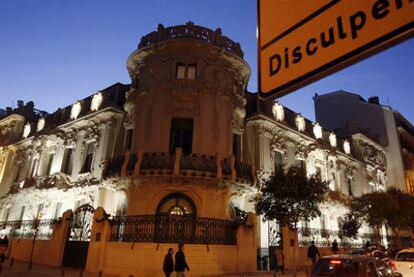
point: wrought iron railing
(194, 165)
(324, 238)
(173, 229)
(192, 31)
(199, 162)
(28, 229)
(114, 166)
(243, 171)
(157, 161)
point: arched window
(177, 204)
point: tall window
(39, 213)
(19, 169)
(128, 139)
(302, 166)
(318, 172)
(67, 161)
(6, 215)
(33, 170)
(50, 158)
(58, 210)
(237, 147)
(278, 161)
(22, 210)
(186, 71)
(350, 192)
(87, 164)
(181, 135)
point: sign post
(300, 41)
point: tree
(373, 208)
(350, 227)
(289, 197)
(403, 213)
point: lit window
(278, 111)
(180, 71)
(75, 111)
(317, 131)
(186, 71)
(347, 147)
(176, 204)
(332, 139)
(300, 123)
(26, 130)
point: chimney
(374, 100)
(20, 104)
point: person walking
(335, 248)
(180, 263)
(168, 265)
(312, 252)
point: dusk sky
(56, 52)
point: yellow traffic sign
(300, 41)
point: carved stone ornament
(76, 109)
(371, 155)
(278, 111)
(300, 123)
(347, 147)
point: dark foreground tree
(350, 226)
(289, 197)
(400, 218)
(373, 208)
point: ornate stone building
(173, 157)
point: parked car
(351, 266)
(404, 261)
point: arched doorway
(176, 219)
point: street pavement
(20, 269)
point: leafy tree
(373, 208)
(289, 197)
(350, 227)
(401, 216)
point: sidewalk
(19, 269)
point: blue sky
(55, 52)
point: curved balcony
(191, 31)
(177, 164)
(173, 229)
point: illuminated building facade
(174, 157)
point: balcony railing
(173, 229)
(193, 32)
(28, 229)
(177, 164)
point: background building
(348, 113)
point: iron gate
(79, 234)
